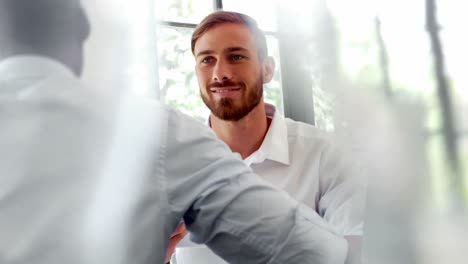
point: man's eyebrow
(227, 50)
(204, 52)
(233, 49)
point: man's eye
(207, 60)
(237, 57)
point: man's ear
(268, 69)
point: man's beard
(226, 109)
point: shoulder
(190, 136)
(303, 135)
(179, 121)
(307, 142)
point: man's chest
(301, 182)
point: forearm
(318, 243)
(263, 225)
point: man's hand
(176, 237)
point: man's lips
(224, 90)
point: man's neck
(56, 54)
(246, 135)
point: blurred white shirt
(92, 179)
(302, 160)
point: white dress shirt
(301, 159)
(89, 179)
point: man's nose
(221, 72)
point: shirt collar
(25, 66)
(275, 145)
(24, 76)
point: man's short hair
(41, 21)
(225, 17)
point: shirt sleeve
(227, 207)
(342, 192)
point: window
(405, 72)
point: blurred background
(386, 77)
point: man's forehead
(226, 36)
(229, 29)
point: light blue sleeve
(227, 207)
